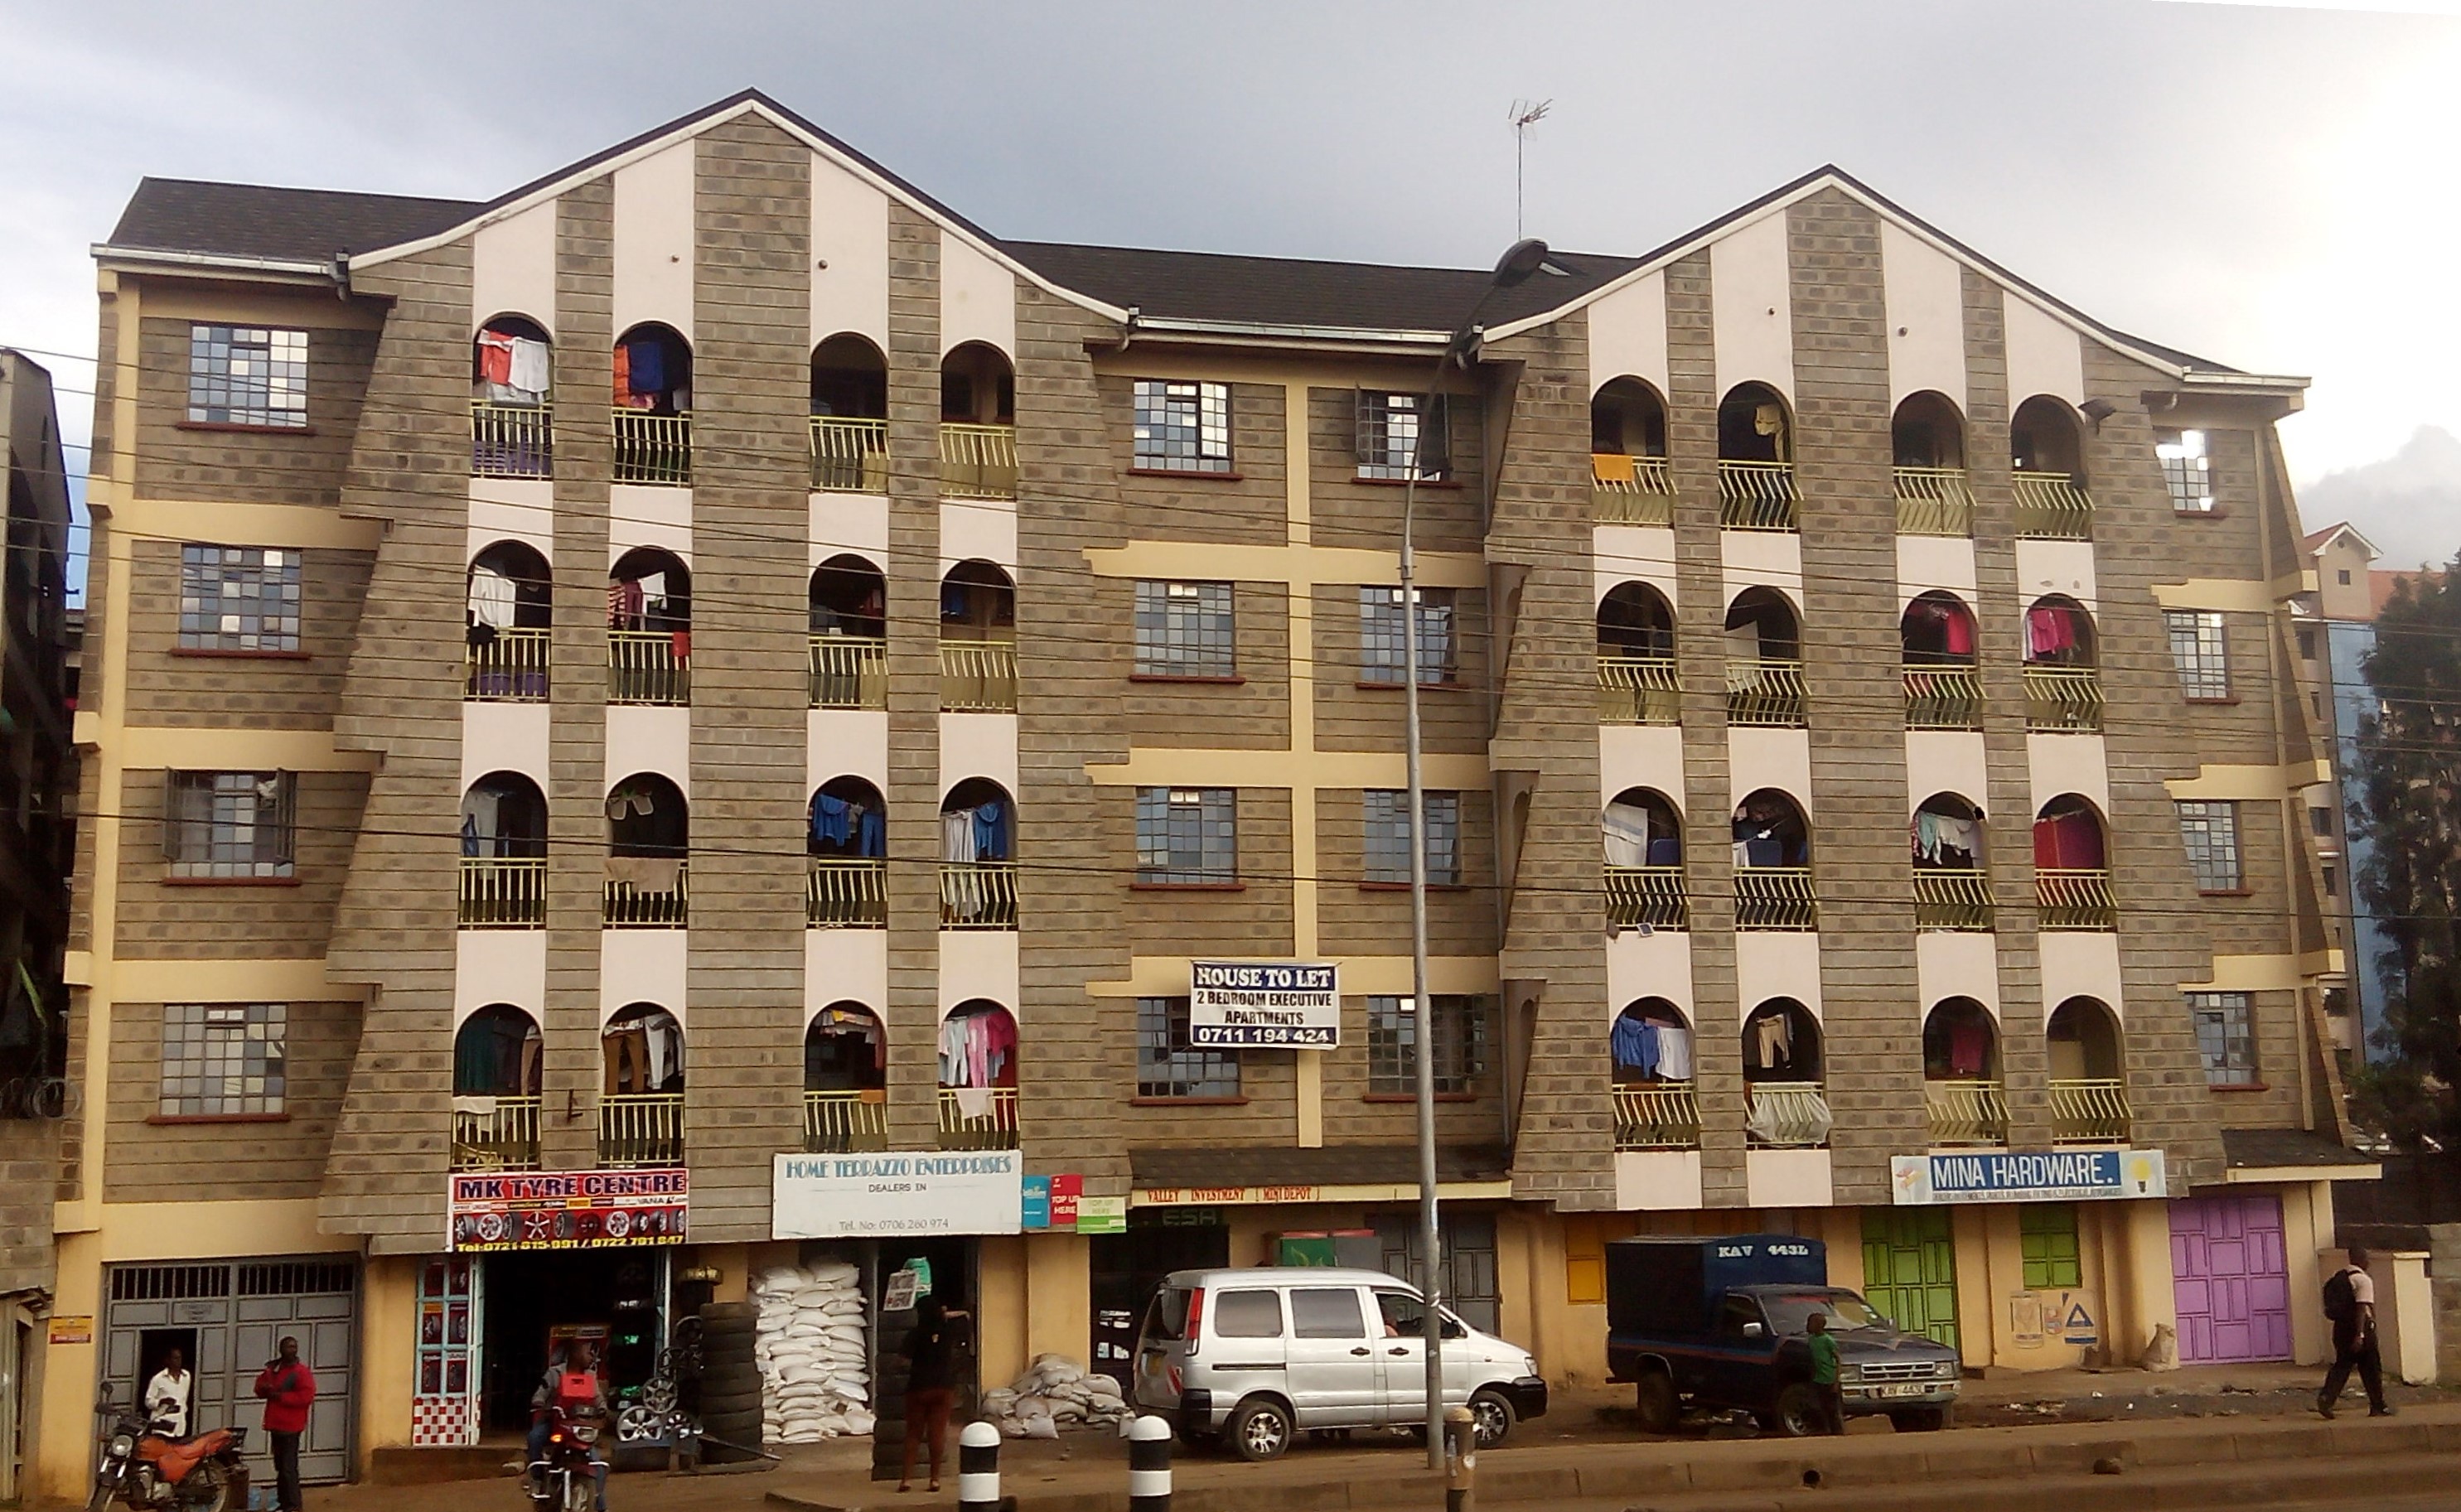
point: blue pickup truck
(1719, 1323)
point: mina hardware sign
(2017, 1176)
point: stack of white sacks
(1057, 1393)
(815, 1372)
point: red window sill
(2239, 1086)
(218, 653)
(1188, 1103)
(228, 427)
(231, 882)
(1403, 483)
(1173, 472)
(1411, 1097)
(1404, 887)
(218, 1117)
(1449, 684)
(1187, 887)
(1232, 681)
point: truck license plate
(1909, 1389)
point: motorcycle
(565, 1478)
(144, 1468)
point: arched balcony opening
(1655, 1106)
(509, 614)
(1943, 683)
(2088, 1081)
(1764, 659)
(1636, 676)
(2062, 687)
(977, 423)
(2072, 866)
(977, 640)
(978, 857)
(849, 416)
(2046, 451)
(849, 634)
(1773, 865)
(504, 854)
(846, 1082)
(1952, 879)
(1927, 438)
(1628, 479)
(1782, 1078)
(1963, 1094)
(641, 1104)
(1645, 863)
(496, 1081)
(649, 835)
(512, 412)
(977, 1054)
(654, 406)
(1755, 459)
(849, 840)
(648, 629)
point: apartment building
(708, 712)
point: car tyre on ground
(1490, 1417)
(1796, 1414)
(1259, 1430)
(1657, 1403)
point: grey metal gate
(229, 1315)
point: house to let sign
(1264, 1005)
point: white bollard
(1149, 1464)
(978, 1450)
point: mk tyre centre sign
(1262, 1005)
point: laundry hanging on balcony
(1946, 626)
(1627, 835)
(498, 1055)
(491, 598)
(1943, 840)
(1674, 1053)
(2049, 631)
(1655, 1052)
(1969, 1050)
(838, 1022)
(1771, 1042)
(514, 368)
(2071, 842)
(1789, 1118)
(977, 834)
(978, 1050)
(644, 1055)
(646, 874)
(849, 829)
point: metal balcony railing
(2090, 1111)
(1640, 690)
(510, 669)
(653, 448)
(2075, 898)
(1966, 1112)
(846, 893)
(1630, 490)
(511, 440)
(504, 892)
(848, 456)
(978, 1117)
(1756, 496)
(1952, 897)
(978, 677)
(631, 907)
(2051, 507)
(978, 895)
(977, 461)
(495, 1134)
(849, 671)
(1943, 697)
(1788, 1115)
(649, 666)
(845, 1122)
(1775, 898)
(1664, 1115)
(2062, 699)
(1933, 501)
(1761, 690)
(1653, 896)
(641, 1128)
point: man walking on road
(2350, 1303)
(288, 1388)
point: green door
(1909, 1269)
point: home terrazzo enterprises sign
(2012, 1175)
(895, 1196)
(1262, 1005)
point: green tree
(2408, 779)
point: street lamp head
(1519, 261)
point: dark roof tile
(2266, 1148)
(247, 220)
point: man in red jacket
(289, 1388)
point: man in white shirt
(2354, 1337)
(166, 1394)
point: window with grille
(1382, 658)
(1188, 834)
(1389, 837)
(2211, 831)
(247, 375)
(1169, 1066)
(2198, 646)
(221, 1058)
(1183, 427)
(228, 823)
(1399, 430)
(2225, 1036)
(2047, 1237)
(2187, 469)
(239, 598)
(1184, 630)
(1463, 1031)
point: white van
(1259, 1355)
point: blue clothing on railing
(1635, 1045)
(832, 819)
(646, 366)
(871, 834)
(991, 832)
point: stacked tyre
(730, 1384)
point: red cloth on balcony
(2067, 842)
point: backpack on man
(2340, 1297)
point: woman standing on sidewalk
(930, 1351)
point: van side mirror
(1753, 1331)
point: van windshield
(1167, 1318)
(1788, 1311)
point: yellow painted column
(2307, 1234)
(733, 1265)
(388, 1362)
(1059, 1297)
(1001, 1312)
(2150, 1300)
(63, 1441)
(1969, 1232)
(1841, 1229)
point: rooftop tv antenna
(1526, 115)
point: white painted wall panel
(1628, 335)
(512, 268)
(1751, 308)
(2044, 354)
(1925, 290)
(977, 298)
(654, 241)
(851, 235)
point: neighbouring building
(708, 712)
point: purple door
(2232, 1276)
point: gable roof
(2315, 541)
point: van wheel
(1655, 1400)
(1919, 1419)
(1490, 1417)
(1260, 1430)
(1797, 1414)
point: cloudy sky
(2266, 185)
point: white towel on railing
(529, 366)
(1627, 835)
(491, 598)
(973, 1103)
(475, 1107)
